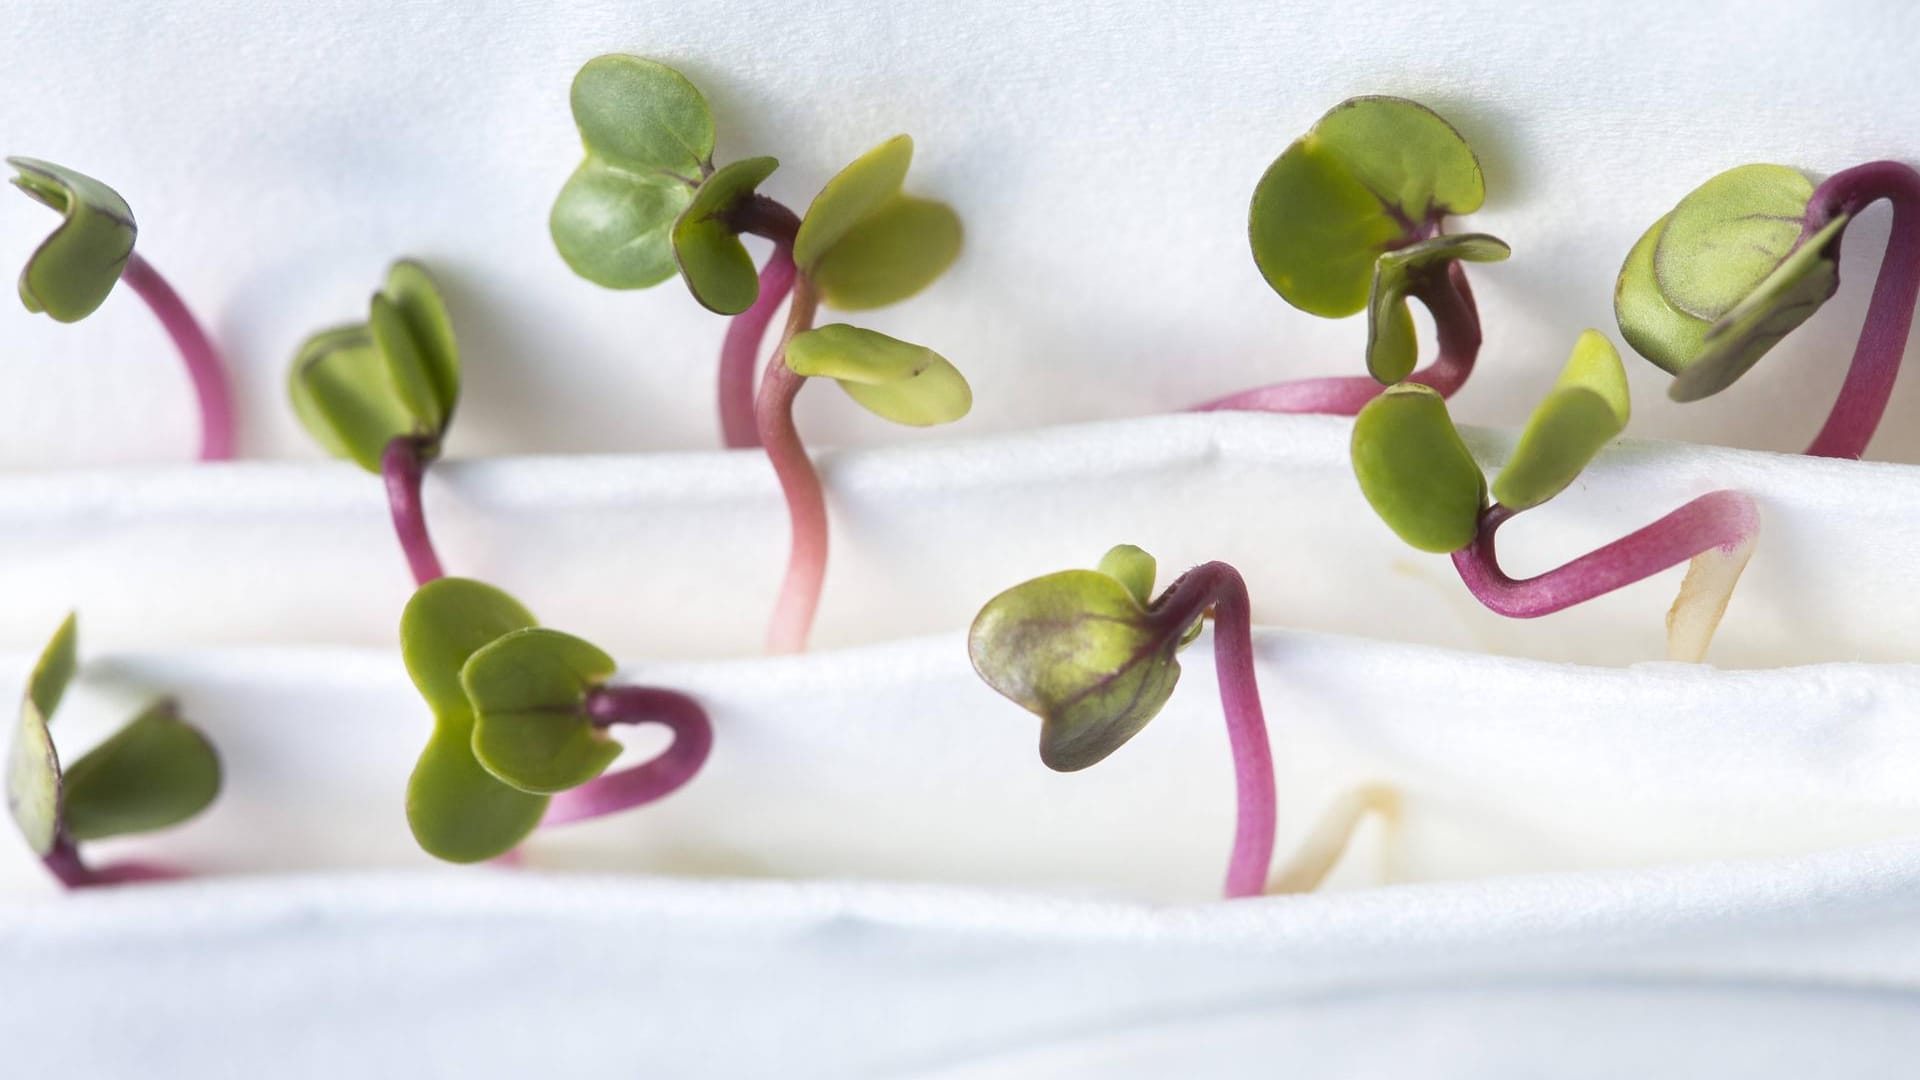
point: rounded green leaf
(614, 227)
(457, 810)
(855, 193)
(70, 274)
(889, 255)
(1776, 307)
(1586, 409)
(157, 771)
(1372, 174)
(1415, 471)
(642, 115)
(33, 766)
(414, 294)
(1392, 348)
(711, 257)
(1727, 235)
(903, 382)
(1132, 567)
(1080, 651)
(1648, 320)
(529, 691)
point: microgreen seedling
(1350, 218)
(155, 772)
(648, 202)
(520, 725)
(1751, 254)
(382, 393)
(69, 276)
(1423, 482)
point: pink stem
(1220, 587)
(648, 781)
(403, 465)
(203, 362)
(806, 501)
(1719, 519)
(1457, 327)
(1883, 338)
(65, 863)
(742, 348)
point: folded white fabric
(680, 555)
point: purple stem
(203, 362)
(65, 863)
(651, 780)
(806, 501)
(742, 348)
(1456, 327)
(1883, 338)
(403, 465)
(1718, 520)
(1219, 586)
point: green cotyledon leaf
(1587, 408)
(457, 810)
(1083, 651)
(70, 274)
(33, 766)
(155, 772)
(529, 691)
(1414, 470)
(1368, 177)
(1392, 349)
(712, 260)
(898, 380)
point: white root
(1330, 837)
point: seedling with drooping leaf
(155, 772)
(70, 274)
(1095, 655)
(648, 203)
(521, 715)
(1423, 482)
(382, 394)
(1751, 254)
(1351, 218)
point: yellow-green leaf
(888, 256)
(898, 380)
(853, 194)
(1586, 409)
(529, 691)
(70, 274)
(1414, 470)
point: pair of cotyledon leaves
(1088, 651)
(70, 274)
(1422, 481)
(156, 771)
(648, 203)
(397, 375)
(1347, 219)
(509, 701)
(1712, 286)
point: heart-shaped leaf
(1415, 471)
(899, 249)
(711, 257)
(1586, 409)
(33, 766)
(70, 274)
(529, 692)
(1371, 175)
(854, 194)
(1392, 349)
(458, 811)
(642, 116)
(1080, 650)
(357, 388)
(903, 382)
(157, 771)
(1711, 287)
(615, 227)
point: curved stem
(403, 465)
(1219, 586)
(1716, 529)
(1883, 337)
(1456, 323)
(742, 348)
(65, 863)
(652, 780)
(806, 501)
(1324, 845)
(203, 362)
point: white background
(1102, 155)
